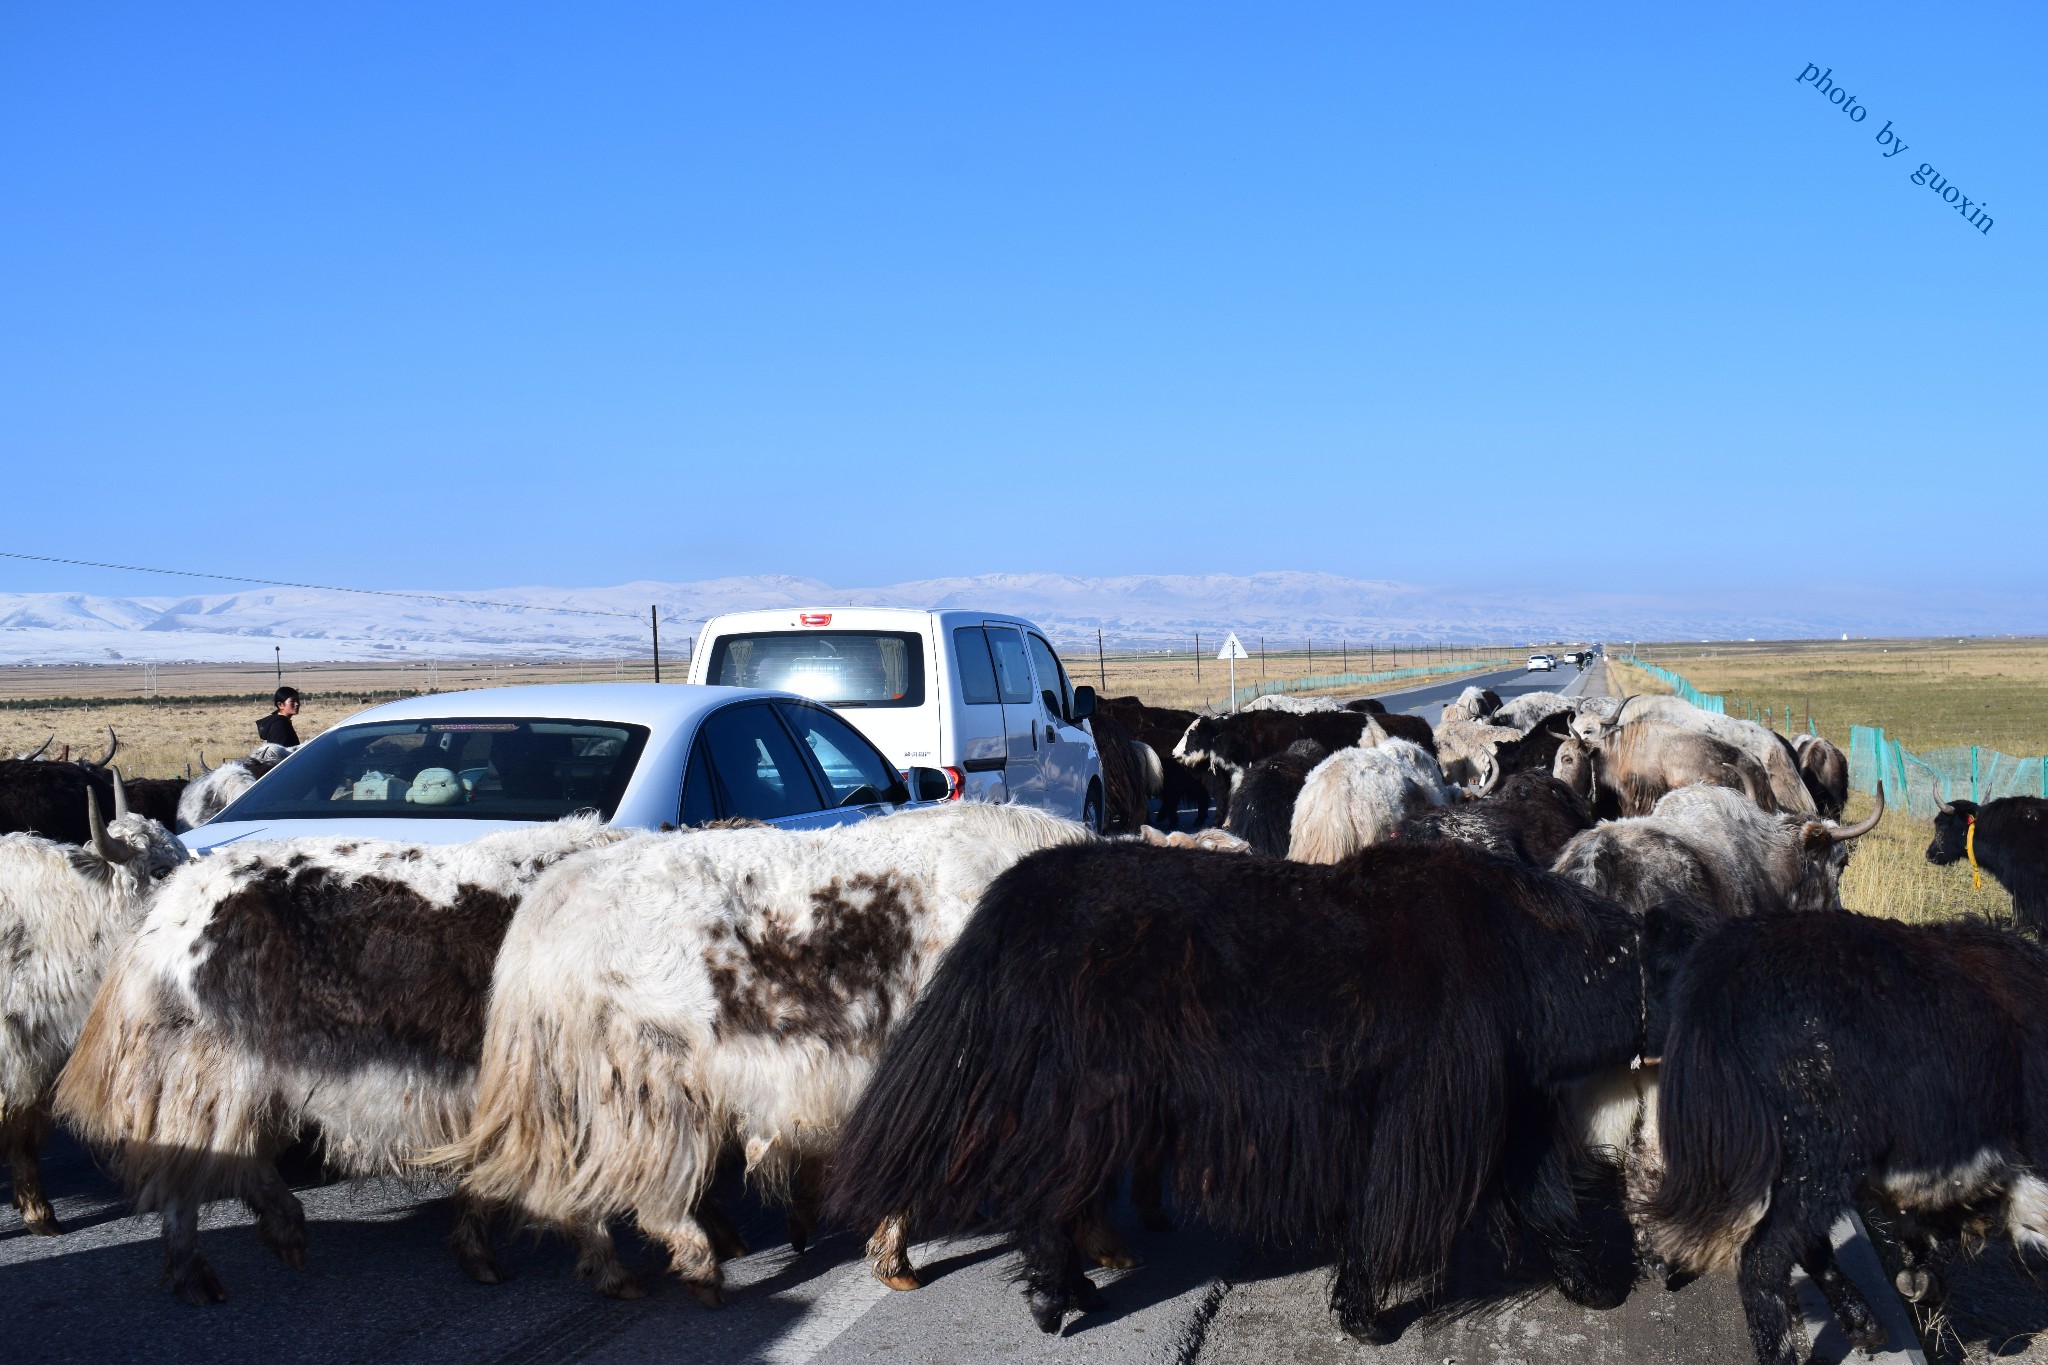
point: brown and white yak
(659, 1001)
(328, 983)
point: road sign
(1232, 649)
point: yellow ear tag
(1970, 847)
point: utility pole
(279, 651)
(1262, 658)
(654, 624)
(1101, 665)
(1198, 661)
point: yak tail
(974, 1108)
(1152, 773)
(1721, 1145)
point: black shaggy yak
(1262, 812)
(1356, 1056)
(2012, 845)
(1810, 1056)
(1529, 818)
(49, 798)
(1160, 728)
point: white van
(981, 696)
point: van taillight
(956, 781)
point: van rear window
(837, 667)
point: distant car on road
(448, 768)
(1542, 663)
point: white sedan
(448, 768)
(1542, 663)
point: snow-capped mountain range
(1138, 611)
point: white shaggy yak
(1358, 796)
(1466, 750)
(659, 1001)
(64, 909)
(1474, 703)
(333, 983)
(1531, 709)
(1773, 753)
(1280, 701)
(209, 794)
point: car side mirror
(1084, 703)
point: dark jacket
(277, 729)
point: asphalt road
(379, 1285)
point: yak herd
(1415, 980)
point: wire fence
(1918, 784)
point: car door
(1063, 757)
(745, 763)
(1021, 709)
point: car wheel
(1091, 809)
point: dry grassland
(1926, 693)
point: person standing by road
(276, 728)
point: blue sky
(461, 295)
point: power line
(328, 587)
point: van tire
(1091, 809)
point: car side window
(1013, 674)
(855, 772)
(1052, 675)
(700, 792)
(757, 763)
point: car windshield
(459, 768)
(837, 667)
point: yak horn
(113, 743)
(1863, 826)
(203, 769)
(103, 843)
(120, 797)
(36, 753)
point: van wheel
(1091, 809)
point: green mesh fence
(1679, 685)
(1938, 776)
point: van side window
(977, 670)
(1052, 675)
(1013, 674)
